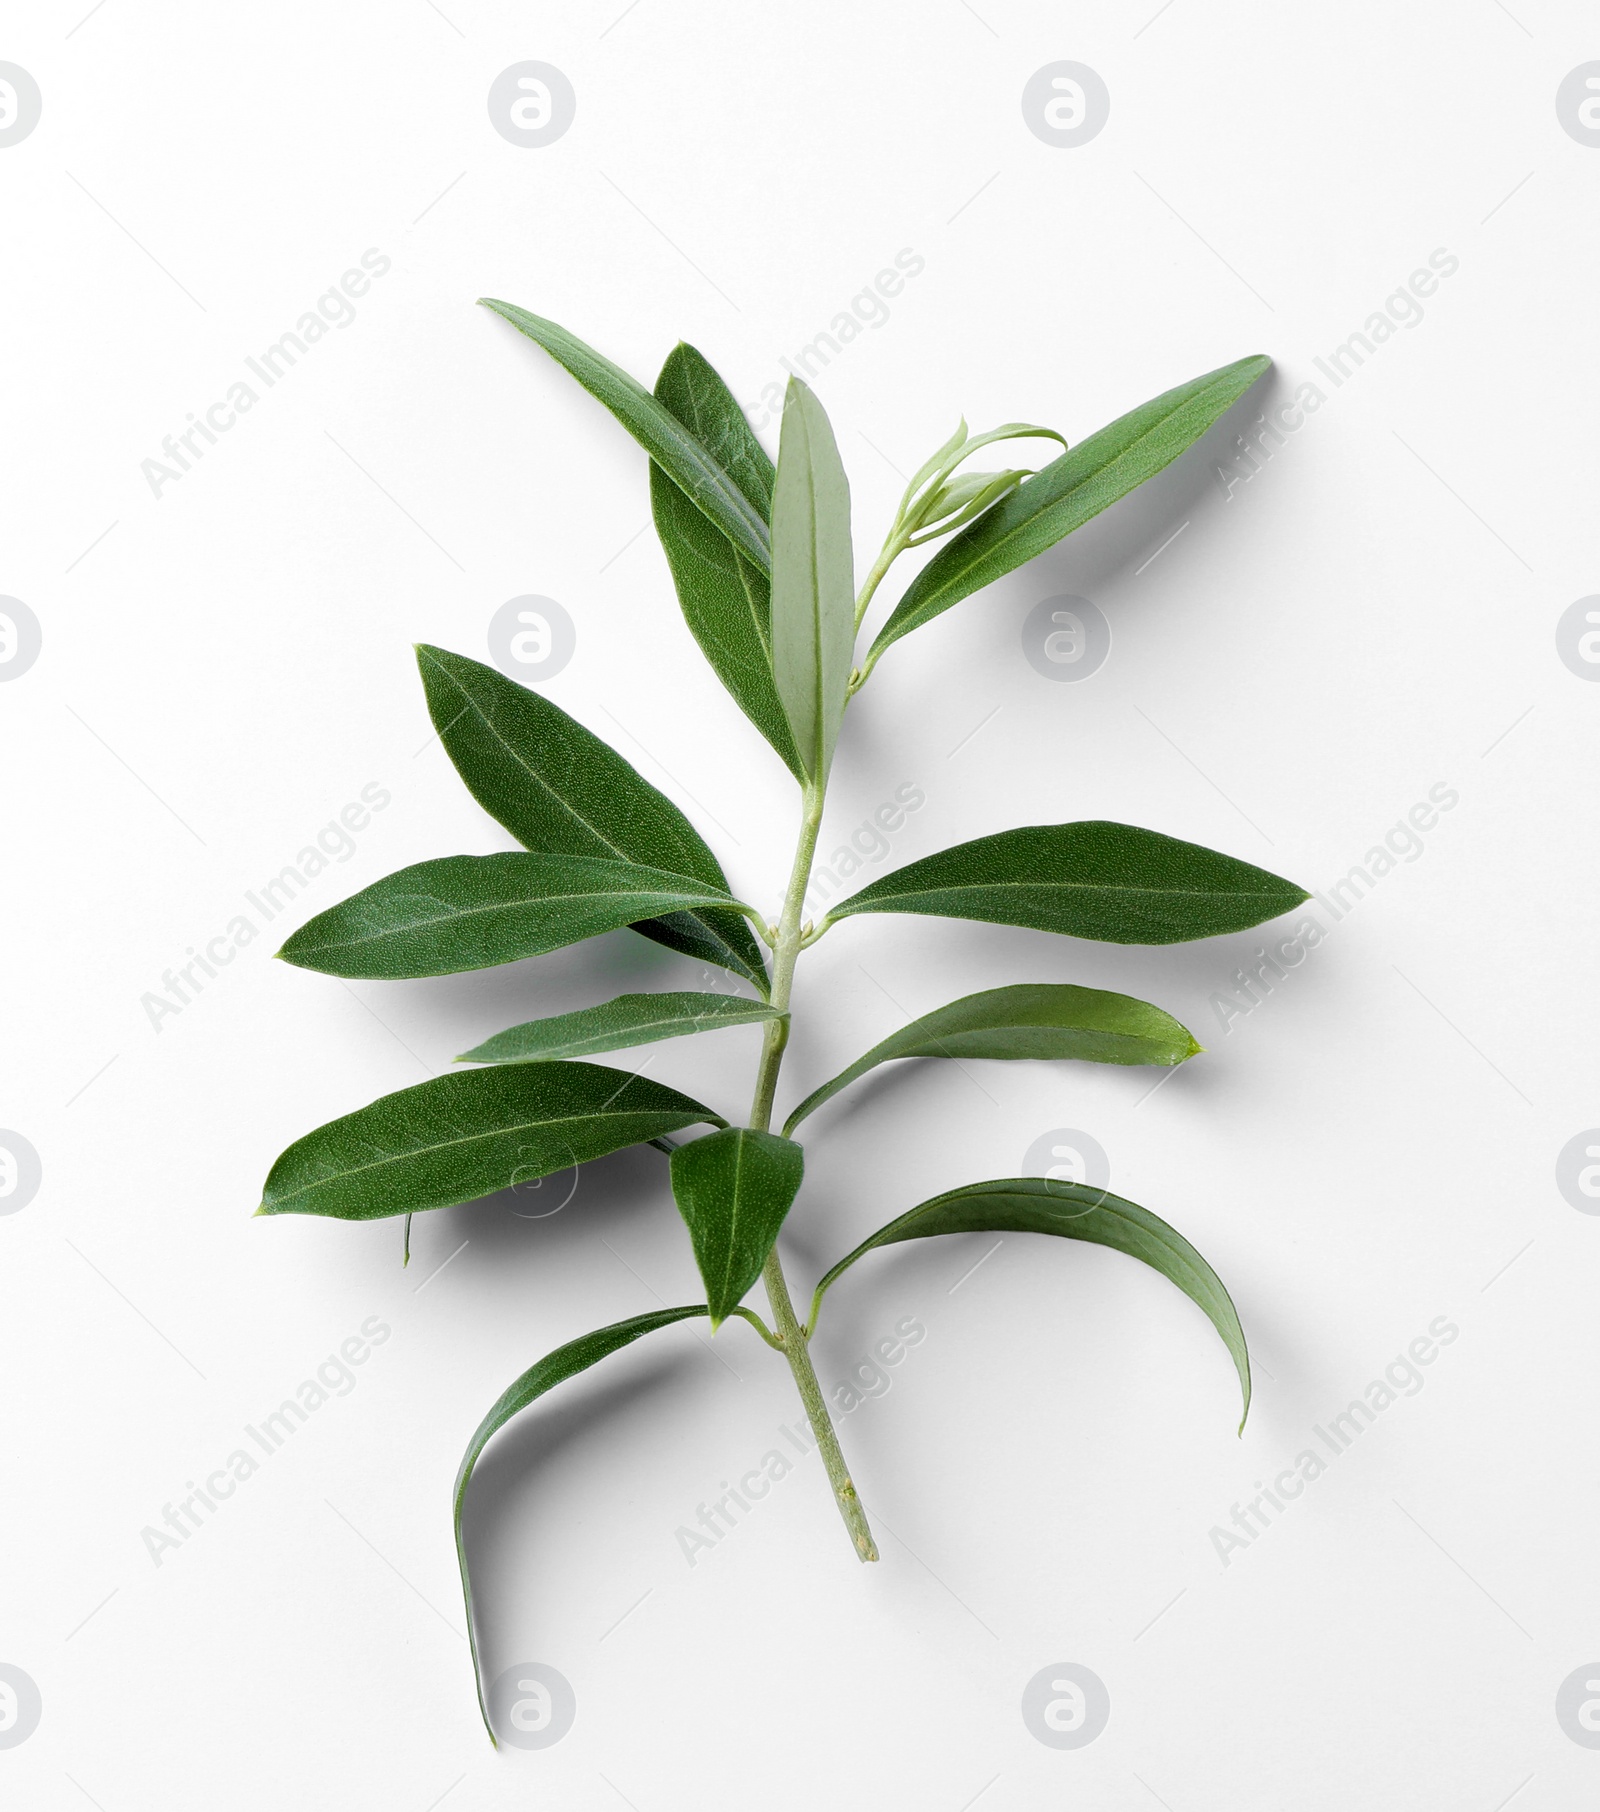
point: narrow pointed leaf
(690, 386)
(934, 460)
(560, 790)
(471, 912)
(555, 1368)
(679, 454)
(733, 1189)
(726, 597)
(1066, 493)
(1040, 1020)
(630, 1019)
(1071, 1211)
(961, 500)
(469, 1133)
(1112, 882)
(813, 579)
(710, 936)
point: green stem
(891, 551)
(789, 1331)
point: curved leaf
(680, 455)
(560, 790)
(555, 1368)
(472, 912)
(726, 598)
(1064, 495)
(630, 1019)
(1071, 1211)
(733, 1189)
(813, 579)
(1112, 882)
(466, 1134)
(1041, 1020)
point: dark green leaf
(813, 579)
(471, 912)
(1045, 1020)
(1112, 882)
(733, 1189)
(680, 455)
(710, 936)
(690, 386)
(469, 1133)
(726, 598)
(1067, 492)
(555, 1368)
(560, 790)
(1072, 1211)
(630, 1019)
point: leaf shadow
(1130, 531)
(508, 1503)
(534, 1226)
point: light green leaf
(1040, 1020)
(1067, 492)
(679, 454)
(733, 1189)
(813, 580)
(555, 1368)
(560, 790)
(469, 1133)
(726, 598)
(1112, 882)
(630, 1019)
(472, 912)
(1071, 1211)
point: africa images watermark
(868, 843)
(1252, 983)
(335, 307)
(1401, 308)
(335, 842)
(869, 307)
(334, 1378)
(867, 1380)
(1402, 1377)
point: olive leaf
(553, 1369)
(1063, 495)
(630, 1019)
(726, 596)
(471, 912)
(1111, 882)
(813, 583)
(679, 454)
(1038, 1020)
(468, 1133)
(560, 790)
(733, 1189)
(1070, 1211)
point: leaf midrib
(606, 1111)
(560, 899)
(1106, 887)
(586, 1045)
(533, 773)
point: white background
(1371, 1148)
